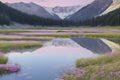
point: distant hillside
(32, 9)
(92, 10)
(112, 18)
(56, 12)
(115, 5)
(8, 14)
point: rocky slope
(92, 10)
(32, 8)
(115, 5)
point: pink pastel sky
(52, 3)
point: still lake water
(46, 63)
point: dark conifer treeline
(4, 19)
(7, 15)
(112, 19)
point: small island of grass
(6, 47)
(7, 68)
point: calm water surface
(45, 63)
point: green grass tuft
(5, 47)
(3, 59)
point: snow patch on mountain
(66, 12)
(63, 12)
(49, 10)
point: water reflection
(45, 63)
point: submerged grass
(101, 68)
(5, 47)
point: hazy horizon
(53, 3)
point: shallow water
(45, 63)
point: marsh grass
(102, 35)
(27, 39)
(92, 35)
(74, 28)
(6, 31)
(6, 47)
(116, 40)
(54, 35)
(100, 68)
(3, 59)
(98, 60)
(115, 37)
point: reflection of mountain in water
(92, 44)
(95, 45)
(46, 63)
(62, 42)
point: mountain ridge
(70, 13)
(92, 10)
(111, 19)
(63, 12)
(115, 5)
(32, 9)
(8, 15)
(51, 12)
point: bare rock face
(92, 10)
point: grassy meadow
(105, 67)
(100, 68)
(6, 47)
(3, 59)
(11, 39)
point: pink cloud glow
(52, 3)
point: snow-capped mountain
(33, 9)
(115, 5)
(63, 12)
(47, 12)
(74, 13)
